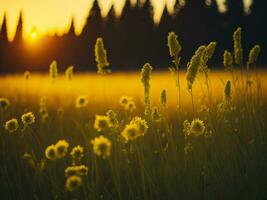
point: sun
(33, 36)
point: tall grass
(68, 139)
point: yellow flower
(124, 100)
(77, 153)
(81, 101)
(50, 152)
(141, 124)
(73, 183)
(28, 118)
(12, 125)
(130, 106)
(102, 123)
(130, 132)
(80, 170)
(61, 148)
(4, 103)
(101, 146)
(197, 127)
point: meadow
(194, 134)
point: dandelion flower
(73, 183)
(69, 72)
(80, 170)
(130, 132)
(130, 106)
(101, 57)
(50, 152)
(61, 148)
(12, 125)
(4, 103)
(101, 146)
(141, 124)
(81, 102)
(173, 44)
(28, 118)
(124, 100)
(197, 127)
(77, 153)
(102, 123)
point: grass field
(223, 158)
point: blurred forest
(134, 39)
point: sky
(54, 16)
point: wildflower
(113, 118)
(101, 146)
(254, 54)
(26, 75)
(238, 51)
(81, 102)
(28, 118)
(12, 125)
(4, 103)
(53, 70)
(102, 123)
(80, 170)
(197, 127)
(193, 66)
(101, 57)
(227, 60)
(50, 152)
(163, 98)
(61, 148)
(227, 91)
(130, 106)
(124, 100)
(156, 115)
(141, 124)
(73, 183)
(173, 44)
(77, 153)
(130, 132)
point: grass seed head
(173, 44)
(254, 54)
(101, 57)
(238, 51)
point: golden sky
(54, 16)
